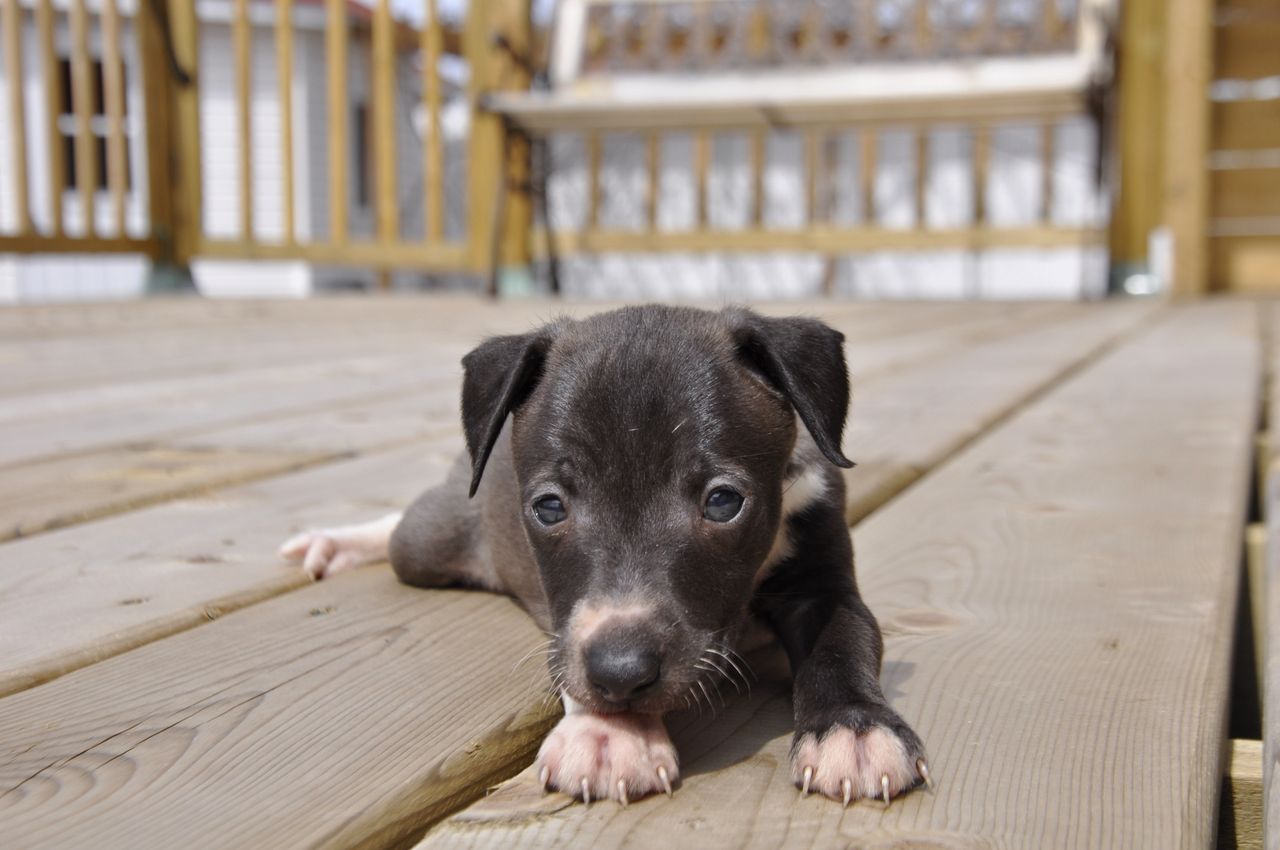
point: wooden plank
(757, 161)
(61, 491)
(1242, 800)
(1245, 192)
(1246, 263)
(86, 157)
(158, 137)
(384, 796)
(868, 155)
(335, 32)
(13, 36)
(433, 151)
(981, 152)
(113, 94)
(250, 721)
(653, 174)
(284, 87)
(382, 57)
(593, 143)
(701, 167)
(1030, 584)
(120, 583)
(185, 175)
(1188, 72)
(1048, 167)
(891, 463)
(53, 108)
(34, 427)
(1246, 125)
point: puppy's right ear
(497, 377)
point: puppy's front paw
(608, 756)
(869, 758)
(332, 550)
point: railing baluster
(336, 84)
(82, 100)
(922, 178)
(701, 165)
(384, 131)
(284, 82)
(758, 157)
(593, 180)
(981, 161)
(241, 35)
(867, 175)
(432, 41)
(113, 93)
(816, 170)
(1048, 153)
(17, 111)
(653, 166)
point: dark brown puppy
(668, 477)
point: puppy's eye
(722, 505)
(549, 510)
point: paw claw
(622, 793)
(924, 773)
(847, 786)
(666, 780)
(586, 792)
(884, 787)
(808, 777)
(544, 779)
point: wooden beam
(822, 238)
(437, 256)
(868, 158)
(701, 169)
(34, 243)
(1189, 70)
(1242, 797)
(1048, 169)
(13, 38)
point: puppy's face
(650, 450)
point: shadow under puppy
(653, 496)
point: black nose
(620, 670)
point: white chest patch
(798, 494)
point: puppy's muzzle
(622, 664)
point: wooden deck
(1050, 507)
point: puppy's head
(651, 446)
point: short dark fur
(630, 417)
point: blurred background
(661, 149)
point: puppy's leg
(848, 742)
(622, 756)
(324, 552)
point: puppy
(668, 476)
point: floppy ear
(804, 360)
(498, 375)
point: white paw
(324, 552)
(620, 757)
(846, 765)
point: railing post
(1189, 71)
(167, 43)
(497, 46)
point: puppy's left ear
(804, 360)
(498, 375)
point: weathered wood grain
(73, 597)
(904, 423)
(1270, 648)
(59, 490)
(347, 714)
(1057, 602)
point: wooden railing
(167, 151)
